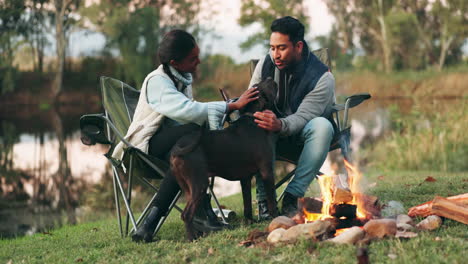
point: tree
(63, 10)
(135, 28)
(39, 21)
(11, 27)
(264, 12)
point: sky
(225, 26)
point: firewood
(342, 196)
(450, 209)
(344, 210)
(424, 209)
(312, 205)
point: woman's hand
(248, 96)
(267, 120)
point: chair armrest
(350, 102)
(93, 127)
(356, 99)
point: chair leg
(129, 192)
(219, 206)
(127, 206)
(117, 201)
(288, 178)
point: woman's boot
(145, 231)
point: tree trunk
(61, 45)
(384, 39)
(445, 42)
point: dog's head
(266, 97)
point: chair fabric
(119, 101)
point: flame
(354, 177)
(326, 183)
(326, 188)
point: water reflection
(40, 188)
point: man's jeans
(316, 138)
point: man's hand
(267, 120)
(248, 96)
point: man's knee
(318, 127)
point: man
(303, 108)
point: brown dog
(235, 153)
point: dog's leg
(191, 176)
(246, 185)
(269, 181)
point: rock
(281, 222)
(404, 219)
(380, 228)
(430, 223)
(350, 236)
(276, 236)
(296, 232)
(319, 229)
(316, 230)
(404, 227)
(392, 209)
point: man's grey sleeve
(257, 74)
(314, 104)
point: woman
(165, 112)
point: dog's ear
(268, 90)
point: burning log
(341, 211)
(449, 209)
(312, 205)
(342, 196)
(424, 209)
(370, 204)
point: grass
(99, 242)
(429, 137)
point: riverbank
(99, 242)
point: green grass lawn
(99, 242)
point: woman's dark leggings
(160, 146)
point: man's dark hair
(289, 26)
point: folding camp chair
(119, 101)
(343, 131)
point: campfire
(344, 207)
(344, 214)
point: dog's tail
(189, 142)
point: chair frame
(99, 128)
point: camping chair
(342, 130)
(119, 101)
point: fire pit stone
(350, 236)
(380, 228)
(430, 223)
(281, 222)
(404, 219)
